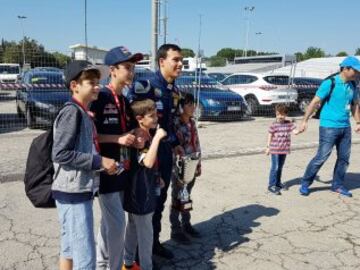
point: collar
(163, 82)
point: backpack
(39, 172)
(327, 98)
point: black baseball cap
(121, 54)
(74, 68)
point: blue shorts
(77, 233)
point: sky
(287, 26)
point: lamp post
(249, 10)
(259, 34)
(23, 41)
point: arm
(356, 114)
(269, 139)
(151, 155)
(126, 139)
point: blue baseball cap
(121, 54)
(352, 62)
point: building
(94, 54)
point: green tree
(227, 53)
(186, 52)
(216, 61)
(342, 54)
(314, 52)
(299, 56)
(61, 59)
(357, 52)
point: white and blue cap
(121, 54)
(351, 62)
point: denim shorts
(77, 233)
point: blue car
(42, 97)
(216, 102)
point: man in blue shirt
(340, 99)
(161, 88)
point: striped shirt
(281, 137)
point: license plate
(233, 108)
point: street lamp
(249, 10)
(259, 35)
(23, 41)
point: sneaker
(190, 230)
(180, 238)
(135, 266)
(161, 251)
(304, 190)
(342, 191)
(274, 190)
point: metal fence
(31, 94)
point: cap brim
(356, 67)
(136, 57)
(103, 69)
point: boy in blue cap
(114, 122)
(339, 96)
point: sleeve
(66, 132)
(324, 89)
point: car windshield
(189, 80)
(307, 81)
(52, 78)
(277, 80)
(9, 70)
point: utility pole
(23, 41)
(86, 38)
(165, 19)
(248, 10)
(154, 31)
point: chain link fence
(32, 93)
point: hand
(357, 128)
(179, 151)
(160, 133)
(140, 138)
(127, 140)
(296, 132)
(302, 126)
(267, 151)
(109, 165)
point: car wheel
(199, 112)
(253, 105)
(30, 121)
(303, 104)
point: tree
(313, 52)
(186, 52)
(299, 56)
(216, 61)
(357, 52)
(61, 59)
(342, 54)
(227, 53)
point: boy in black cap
(75, 154)
(114, 124)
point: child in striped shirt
(278, 145)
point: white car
(9, 73)
(262, 91)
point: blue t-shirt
(336, 111)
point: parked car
(306, 88)
(53, 69)
(9, 73)
(261, 92)
(218, 75)
(42, 97)
(216, 102)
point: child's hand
(109, 165)
(267, 151)
(198, 171)
(127, 140)
(296, 132)
(179, 151)
(160, 133)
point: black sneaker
(282, 187)
(161, 251)
(189, 229)
(180, 238)
(274, 190)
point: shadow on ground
(222, 233)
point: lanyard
(192, 131)
(119, 106)
(91, 115)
